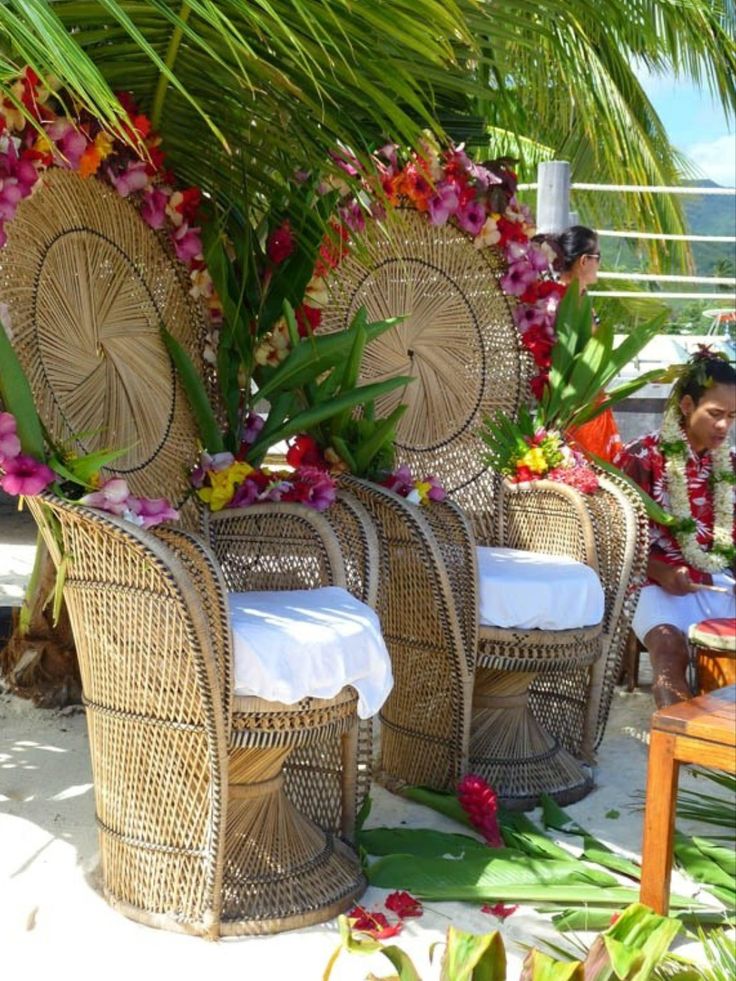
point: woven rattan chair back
(87, 285)
(458, 341)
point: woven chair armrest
(546, 516)
(454, 536)
(202, 566)
(275, 547)
(427, 716)
(358, 542)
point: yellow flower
(535, 460)
(103, 144)
(423, 488)
(222, 485)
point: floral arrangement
(22, 475)
(221, 481)
(674, 449)
(79, 142)
(415, 491)
(524, 451)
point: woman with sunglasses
(578, 258)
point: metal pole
(553, 196)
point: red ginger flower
(305, 452)
(480, 803)
(404, 905)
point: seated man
(687, 468)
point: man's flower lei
(80, 143)
(674, 449)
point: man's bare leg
(668, 652)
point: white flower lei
(693, 553)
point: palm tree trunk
(39, 660)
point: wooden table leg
(659, 822)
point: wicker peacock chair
(541, 697)
(196, 831)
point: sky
(696, 125)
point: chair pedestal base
(512, 751)
(281, 871)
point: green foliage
(16, 397)
(469, 957)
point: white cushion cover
(532, 590)
(308, 643)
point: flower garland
(674, 449)
(221, 481)
(24, 476)
(446, 186)
(82, 144)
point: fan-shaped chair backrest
(87, 284)
(459, 341)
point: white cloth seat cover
(304, 643)
(535, 591)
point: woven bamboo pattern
(196, 831)
(88, 284)
(550, 693)
(425, 720)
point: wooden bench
(701, 731)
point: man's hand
(673, 579)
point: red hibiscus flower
(480, 803)
(280, 244)
(404, 905)
(375, 925)
(499, 910)
(305, 452)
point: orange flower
(90, 161)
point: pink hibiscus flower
(25, 476)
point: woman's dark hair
(569, 245)
(701, 373)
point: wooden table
(702, 731)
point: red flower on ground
(480, 803)
(499, 910)
(305, 452)
(280, 243)
(404, 905)
(375, 925)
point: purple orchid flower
(133, 178)
(528, 315)
(187, 243)
(70, 144)
(112, 496)
(146, 512)
(252, 427)
(245, 494)
(519, 276)
(443, 203)
(25, 476)
(352, 215)
(472, 217)
(153, 208)
(538, 258)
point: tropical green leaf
(16, 396)
(422, 842)
(308, 418)
(444, 802)
(519, 831)
(383, 433)
(196, 394)
(469, 957)
(541, 967)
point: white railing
(553, 188)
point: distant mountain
(710, 215)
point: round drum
(715, 648)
